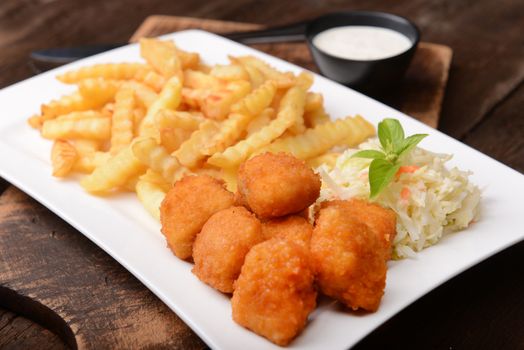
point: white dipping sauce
(362, 42)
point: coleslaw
(429, 199)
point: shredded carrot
(405, 193)
(407, 169)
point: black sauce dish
(368, 76)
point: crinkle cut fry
(167, 118)
(169, 98)
(259, 99)
(89, 128)
(113, 173)
(260, 121)
(162, 56)
(234, 155)
(190, 153)
(243, 112)
(151, 196)
(290, 110)
(68, 103)
(283, 80)
(143, 93)
(156, 157)
(217, 104)
(99, 89)
(229, 72)
(120, 71)
(150, 78)
(63, 158)
(228, 132)
(318, 140)
(122, 122)
(296, 95)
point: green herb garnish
(386, 163)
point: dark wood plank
(501, 135)
(488, 61)
(20, 333)
(482, 308)
(95, 303)
(3, 185)
(26, 25)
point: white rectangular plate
(121, 227)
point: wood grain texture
(501, 135)
(20, 333)
(420, 94)
(422, 90)
(74, 288)
(482, 106)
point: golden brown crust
(274, 294)
(348, 257)
(379, 220)
(276, 185)
(293, 227)
(221, 246)
(186, 208)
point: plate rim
(187, 319)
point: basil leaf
(390, 134)
(369, 153)
(410, 142)
(381, 172)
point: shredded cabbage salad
(429, 199)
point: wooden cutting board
(52, 274)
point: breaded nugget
(186, 208)
(274, 294)
(275, 185)
(348, 257)
(292, 227)
(379, 220)
(221, 246)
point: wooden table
(481, 308)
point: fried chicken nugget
(221, 246)
(274, 294)
(348, 257)
(186, 208)
(379, 220)
(293, 227)
(275, 185)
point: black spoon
(55, 57)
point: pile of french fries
(142, 126)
